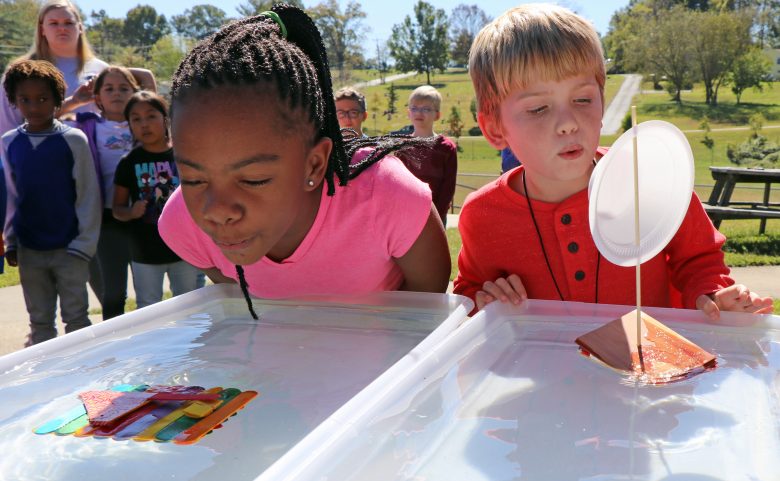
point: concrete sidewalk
(14, 321)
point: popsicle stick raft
(637, 343)
(181, 414)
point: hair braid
(252, 50)
(245, 291)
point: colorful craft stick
(151, 432)
(183, 414)
(149, 418)
(83, 420)
(205, 425)
(73, 414)
(186, 421)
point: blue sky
(382, 14)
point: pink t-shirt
(349, 249)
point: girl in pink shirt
(265, 197)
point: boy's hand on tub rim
(508, 289)
(736, 298)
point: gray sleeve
(88, 205)
(9, 236)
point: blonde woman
(60, 39)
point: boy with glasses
(436, 167)
(351, 110)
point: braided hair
(282, 48)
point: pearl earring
(310, 183)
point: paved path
(389, 78)
(621, 103)
(14, 321)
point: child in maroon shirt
(438, 166)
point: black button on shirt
(579, 275)
(573, 247)
(566, 219)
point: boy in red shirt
(538, 72)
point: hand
(10, 258)
(736, 298)
(509, 289)
(83, 94)
(138, 209)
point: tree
(455, 124)
(465, 22)
(749, 70)
(255, 7)
(381, 62)
(421, 44)
(18, 18)
(342, 33)
(166, 55)
(105, 35)
(766, 23)
(708, 141)
(717, 40)
(392, 98)
(199, 21)
(143, 27)
(663, 44)
(617, 42)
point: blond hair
(40, 48)
(426, 92)
(531, 43)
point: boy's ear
(492, 130)
(317, 163)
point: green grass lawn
(689, 114)
(456, 89)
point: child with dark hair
(109, 140)
(52, 228)
(142, 184)
(259, 199)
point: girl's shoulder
(387, 169)
(94, 64)
(84, 118)
(387, 180)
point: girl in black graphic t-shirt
(144, 180)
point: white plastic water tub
(507, 396)
(305, 358)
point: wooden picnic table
(720, 206)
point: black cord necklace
(544, 251)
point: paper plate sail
(666, 177)
(630, 224)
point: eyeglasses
(422, 110)
(352, 114)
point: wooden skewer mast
(637, 242)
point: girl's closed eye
(190, 182)
(255, 182)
